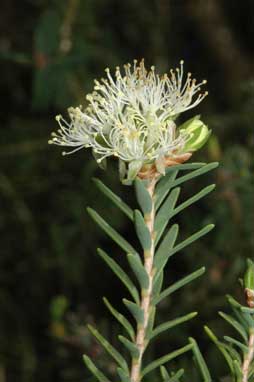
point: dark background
(51, 280)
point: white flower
(131, 115)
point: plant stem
(248, 357)
(146, 294)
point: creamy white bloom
(132, 115)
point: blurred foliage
(51, 279)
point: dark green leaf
(164, 213)
(163, 252)
(120, 318)
(96, 372)
(135, 310)
(238, 327)
(114, 198)
(143, 196)
(172, 323)
(193, 174)
(142, 231)
(139, 270)
(111, 232)
(163, 187)
(160, 361)
(119, 272)
(130, 346)
(200, 360)
(123, 375)
(192, 200)
(179, 284)
(109, 348)
(232, 341)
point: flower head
(131, 116)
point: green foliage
(165, 250)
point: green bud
(199, 134)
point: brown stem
(146, 295)
(248, 357)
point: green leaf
(185, 166)
(130, 346)
(193, 174)
(139, 270)
(235, 325)
(220, 346)
(150, 324)
(114, 198)
(200, 360)
(179, 284)
(232, 341)
(119, 272)
(135, 310)
(172, 323)
(164, 373)
(192, 200)
(94, 370)
(109, 348)
(191, 239)
(143, 196)
(142, 231)
(123, 375)
(110, 231)
(157, 285)
(176, 376)
(163, 187)
(166, 358)
(120, 318)
(164, 213)
(163, 252)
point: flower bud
(198, 132)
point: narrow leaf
(157, 285)
(142, 231)
(192, 200)
(185, 166)
(129, 346)
(179, 284)
(232, 341)
(172, 323)
(121, 274)
(114, 198)
(163, 252)
(150, 325)
(163, 187)
(111, 232)
(193, 174)
(200, 360)
(120, 318)
(139, 270)
(176, 376)
(123, 375)
(164, 213)
(160, 361)
(94, 370)
(135, 310)
(109, 348)
(143, 196)
(235, 325)
(164, 373)
(191, 239)
(220, 347)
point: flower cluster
(132, 116)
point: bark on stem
(248, 357)
(146, 295)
